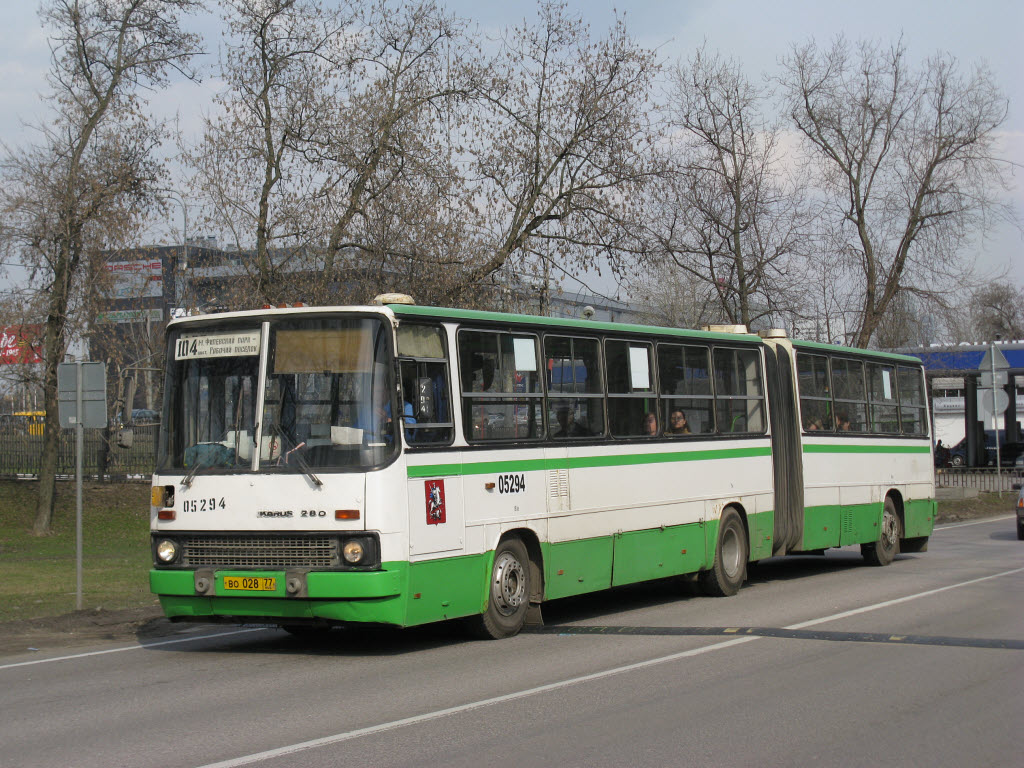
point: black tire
(508, 593)
(307, 631)
(915, 544)
(957, 461)
(1020, 531)
(883, 551)
(731, 552)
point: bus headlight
(353, 551)
(166, 550)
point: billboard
(130, 316)
(136, 279)
(21, 344)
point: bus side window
(739, 394)
(426, 394)
(815, 392)
(501, 386)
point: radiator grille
(260, 551)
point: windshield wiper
(187, 482)
(303, 464)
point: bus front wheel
(730, 569)
(508, 593)
(883, 551)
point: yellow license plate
(251, 583)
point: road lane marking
(898, 600)
(950, 526)
(782, 633)
(338, 738)
(373, 729)
(138, 647)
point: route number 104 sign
(235, 344)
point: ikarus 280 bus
(400, 464)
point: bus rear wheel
(307, 631)
(883, 551)
(730, 569)
(508, 593)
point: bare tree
(564, 147)
(92, 163)
(392, 194)
(996, 311)
(279, 69)
(664, 295)
(329, 153)
(906, 162)
(730, 214)
(906, 324)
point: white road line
(974, 522)
(138, 647)
(898, 600)
(393, 724)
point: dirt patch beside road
(84, 628)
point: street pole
(79, 446)
(995, 420)
(179, 280)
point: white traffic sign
(1000, 379)
(985, 402)
(999, 364)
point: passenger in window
(650, 425)
(677, 424)
(842, 422)
(566, 424)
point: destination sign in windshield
(236, 344)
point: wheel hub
(731, 560)
(508, 589)
(890, 529)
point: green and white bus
(400, 464)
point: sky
(754, 33)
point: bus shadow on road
(374, 641)
(794, 567)
(1008, 535)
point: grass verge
(37, 573)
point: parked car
(143, 416)
(1010, 454)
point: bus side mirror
(129, 401)
(125, 437)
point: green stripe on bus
(867, 449)
(486, 467)
(583, 462)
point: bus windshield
(326, 403)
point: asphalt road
(818, 660)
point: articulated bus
(399, 464)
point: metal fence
(985, 479)
(103, 459)
(20, 455)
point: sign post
(994, 360)
(81, 403)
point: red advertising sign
(435, 502)
(20, 344)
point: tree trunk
(48, 459)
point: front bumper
(349, 596)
